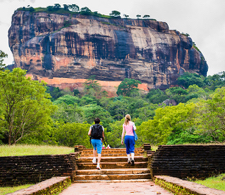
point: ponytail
(127, 119)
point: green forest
(33, 113)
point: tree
(74, 8)
(115, 13)
(146, 113)
(114, 137)
(138, 16)
(68, 113)
(118, 109)
(86, 99)
(177, 93)
(76, 92)
(127, 86)
(67, 99)
(93, 88)
(85, 10)
(215, 81)
(31, 9)
(194, 91)
(50, 8)
(66, 7)
(71, 134)
(146, 16)
(134, 104)
(156, 96)
(25, 105)
(188, 79)
(57, 6)
(176, 90)
(2, 55)
(126, 16)
(167, 120)
(55, 92)
(211, 114)
(92, 111)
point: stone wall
(15, 170)
(182, 161)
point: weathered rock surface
(77, 46)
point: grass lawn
(23, 150)
(6, 190)
(214, 182)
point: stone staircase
(114, 167)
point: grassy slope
(23, 150)
(6, 190)
(214, 182)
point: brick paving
(115, 189)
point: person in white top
(128, 128)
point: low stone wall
(194, 161)
(182, 187)
(50, 186)
(16, 170)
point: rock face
(77, 46)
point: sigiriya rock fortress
(65, 49)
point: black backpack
(96, 132)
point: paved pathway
(115, 189)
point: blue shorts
(129, 142)
(97, 144)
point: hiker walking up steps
(97, 135)
(128, 128)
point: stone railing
(193, 161)
(16, 170)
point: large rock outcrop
(76, 46)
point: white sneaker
(94, 161)
(98, 168)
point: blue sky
(204, 20)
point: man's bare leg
(99, 160)
(94, 158)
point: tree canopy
(128, 86)
(25, 105)
(212, 112)
(2, 56)
(74, 8)
(146, 16)
(115, 13)
(138, 16)
(190, 112)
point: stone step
(113, 159)
(111, 165)
(112, 171)
(113, 181)
(113, 176)
(105, 155)
(90, 149)
(119, 150)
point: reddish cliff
(67, 48)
